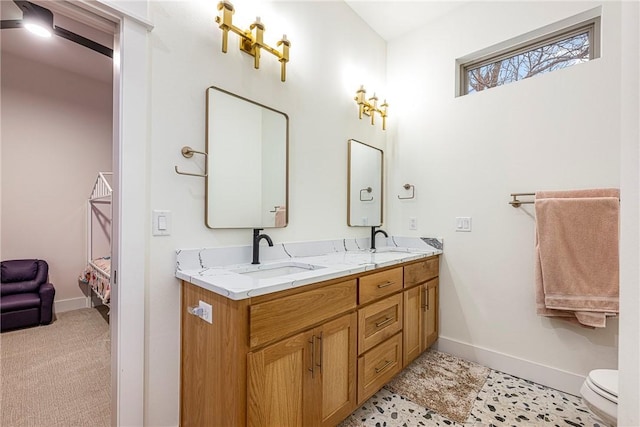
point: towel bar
(187, 153)
(516, 203)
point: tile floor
(504, 400)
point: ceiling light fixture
(36, 19)
(39, 20)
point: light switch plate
(463, 223)
(161, 223)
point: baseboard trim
(546, 375)
(61, 306)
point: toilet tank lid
(606, 379)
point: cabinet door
(430, 312)
(281, 382)
(413, 324)
(336, 365)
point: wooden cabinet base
(304, 357)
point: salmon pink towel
(577, 255)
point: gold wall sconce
(251, 40)
(370, 107)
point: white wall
(328, 63)
(629, 353)
(466, 155)
(56, 137)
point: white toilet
(600, 394)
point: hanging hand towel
(281, 216)
(577, 255)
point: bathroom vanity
(311, 351)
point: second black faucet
(373, 236)
(256, 244)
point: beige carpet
(441, 382)
(59, 374)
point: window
(564, 48)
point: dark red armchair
(26, 296)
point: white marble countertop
(221, 270)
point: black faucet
(373, 236)
(256, 244)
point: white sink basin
(280, 269)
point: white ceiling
(390, 19)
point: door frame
(129, 224)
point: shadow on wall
(598, 336)
(449, 275)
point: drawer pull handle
(387, 363)
(384, 322)
(312, 341)
(319, 365)
(385, 284)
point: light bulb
(38, 30)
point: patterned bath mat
(441, 382)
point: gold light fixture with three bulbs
(369, 107)
(251, 40)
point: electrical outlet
(413, 223)
(207, 311)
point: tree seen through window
(542, 59)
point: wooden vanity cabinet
(307, 356)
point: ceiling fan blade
(11, 23)
(58, 31)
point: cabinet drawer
(379, 321)
(421, 271)
(377, 285)
(278, 318)
(378, 366)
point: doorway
(130, 112)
